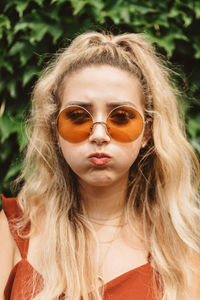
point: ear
(147, 132)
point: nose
(99, 133)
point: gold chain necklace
(113, 218)
(110, 242)
(108, 225)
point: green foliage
(32, 30)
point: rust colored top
(135, 284)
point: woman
(109, 207)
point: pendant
(100, 278)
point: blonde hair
(163, 194)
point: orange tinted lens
(74, 124)
(125, 124)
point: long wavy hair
(162, 190)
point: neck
(104, 202)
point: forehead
(100, 86)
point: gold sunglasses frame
(104, 123)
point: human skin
(103, 188)
(101, 86)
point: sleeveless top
(135, 284)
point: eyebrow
(111, 104)
(115, 104)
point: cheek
(131, 150)
(129, 157)
(66, 150)
(71, 153)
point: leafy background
(32, 30)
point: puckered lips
(99, 159)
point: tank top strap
(13, 212)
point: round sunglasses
(124, 124)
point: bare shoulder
(6, 237)
(6, 251)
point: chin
(100, 184)
(99, 181)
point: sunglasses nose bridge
(100, 123)
(97, 134)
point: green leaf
(197, 9)
(10, 37)
(6, 127)
(25, 55)
(13, 170)
(54, 15)
(24, 51)
(168, 41)
(174, 12)
(125, 15)
(187, 19)
(11, 87)
(58, 1)
(16, 48)
(23, 26)
(5, 150)
(29, 74)
(194, 126)
(99, 5)
(22, 137)
(10, 125)
(9, 4)
(21, 6)
(6, 64)
(142, 9)
(55, 31)
(78, 6)
(196, 144)
(4, 22)
(38, 32)
(39, 2)
(196, 46)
